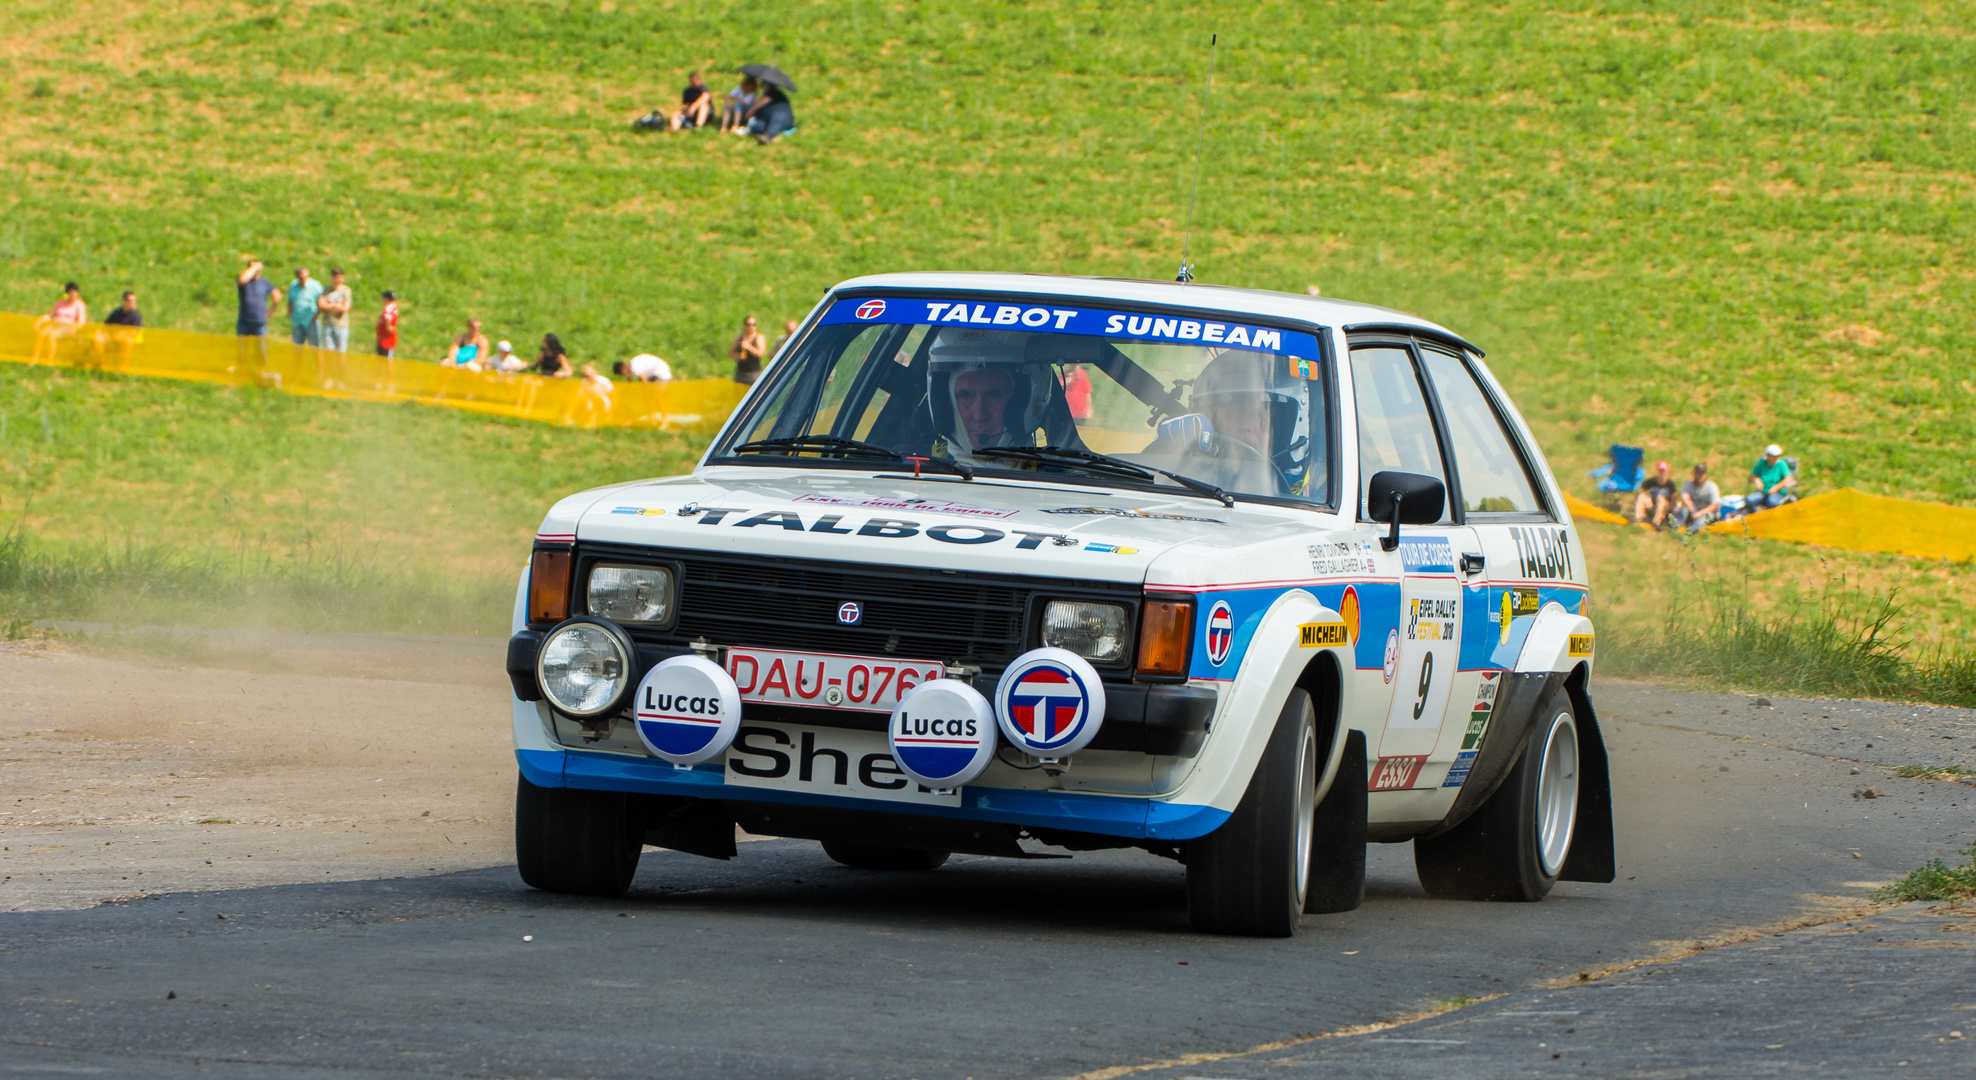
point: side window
(1492, 477)
(1396, 431)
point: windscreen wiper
(833, 445)
(1104, 463)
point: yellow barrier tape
(694, 405)
(1851, 519)
(1581, 509)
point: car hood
(1019, 527)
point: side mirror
(1404, 499)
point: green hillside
(1693, 225)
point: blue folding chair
(1625, 473)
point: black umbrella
(769, 73)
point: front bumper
(1160, 719)
(1126, 817)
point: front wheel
(1249, 876)
(568, 840)
(1513, 846)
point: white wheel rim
(1557, 794)
(1306, 812)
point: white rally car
(1240, 578)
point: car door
(1526, 559)
(1422, 617)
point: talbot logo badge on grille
(849, 613)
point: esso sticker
(1221, 632)
(942, 734)
(1050, 703)
(687, 710)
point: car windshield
(998, 386)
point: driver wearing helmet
(1249, 429)
(982, 389)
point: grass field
(1696, 227)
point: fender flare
(1228, 760)
(1545, 668)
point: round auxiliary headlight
(585, 667)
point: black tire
(573, 841)
(876, 857)
(1248, 876)
(1504, 850)
(1337, 845)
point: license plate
(827, 680)
(824, 761)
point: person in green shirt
(303, 293)
(1771, 481)
(333, 311)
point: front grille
(951, 616)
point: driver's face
(1242, 416)
(982, 398)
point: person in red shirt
(387, 326)
(1077, 393)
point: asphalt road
(1735, 822)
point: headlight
(1095, 632)
(585, 667)
(631, 594)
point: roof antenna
(1186, 274)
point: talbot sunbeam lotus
(998, 563)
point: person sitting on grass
(1656, 497)
(1701, 501)
(1771, 481)
(468, 348)
(505, 361)
(696, 104)
(772, 116)
(734, 114)
(553, 361)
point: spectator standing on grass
(387, 326)
(304, 293)
(1656, 498)
(257, 294)
(644, 367)
(734, 115)
(468, 348)
(749, 349)
(1077, 394)
(333, 310)
(126, 314)
(553, 360)
(788, 334)
(1770, 480)
(696, 104)
(1701, 501)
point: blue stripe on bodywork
(1134, 818)
(1379, 615)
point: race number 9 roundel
(1050, 703)
(687, 710)
(1221, 632)
(942, 734)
